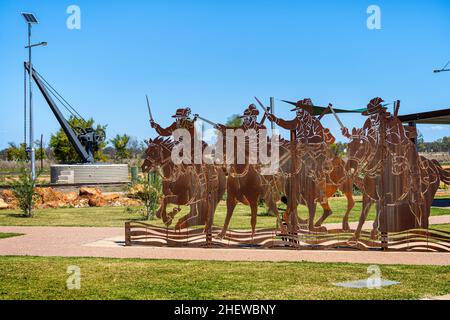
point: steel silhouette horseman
(249, 120)
(394, 176)
(308, 128)
(311, 161)
(245, 183)
(310, 133)
(182, 185)
(204, 179)
(182, 122)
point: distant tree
(40, 153)
(420, 142)
(234, 121)
(339, 148)
(3, 154)
(63, 150)
(446, 144)
(120, 143)
(19, 152)
(109, 151)
(440, 145)
(16, 153)
(136, 147)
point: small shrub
(24, 191)
(149, 190)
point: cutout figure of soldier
(250, 121)
(182, 121)
(313, 140)
(390, 162)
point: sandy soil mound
(86, 197)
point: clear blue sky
(214, 56)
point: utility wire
(60, 98)
(60, 101)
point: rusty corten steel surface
(382, 162)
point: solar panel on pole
(29, 18)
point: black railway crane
(85, 140)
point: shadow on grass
(141, 220)
(17, 215)
(10, 235)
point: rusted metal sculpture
(382, 161)
(245, 184)
(315, 173)
(199, 186)
(393, 175)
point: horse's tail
(444, 175)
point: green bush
(149, 190)
(24, 191)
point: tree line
(120, 148)
(123, 147)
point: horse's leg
(168, 217)
(254, 212)
(350, 205)
(162, 212)
(374, 231)
(312, 206)
(164, 201)
(231, 204)
(272, 205)
(185, 221)
(326, 213)
(209, 210)
(367, 203)
(161, 208)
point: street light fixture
(443, 68)
(44, 44)
(30, 19)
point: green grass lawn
(116, 216)
(442, 227)
(9, 235)
(22, 278)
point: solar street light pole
(31, 19)
(31, 145)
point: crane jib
(85, 152)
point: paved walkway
(446, 297)
(109, 242)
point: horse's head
(158, 151)
(358, 150)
